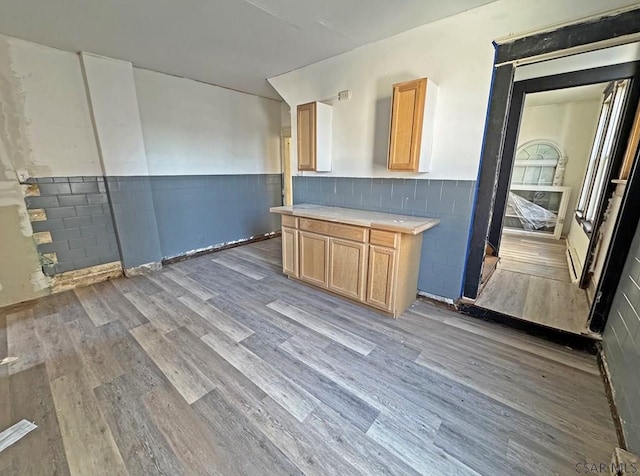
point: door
(380, 281)
(314, 258)
(307, 136)
(406, 124)
(348, 268)
(290, 251)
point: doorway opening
(548, 255)
(609, 45)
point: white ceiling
(231, 43)
(591, 92)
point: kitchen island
(371, 257)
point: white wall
(114, 106)
(455, 52)
(572, 127)
(193, 128)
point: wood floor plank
(88, 443)
(95, 308)
(95, 351)
(220, 320)
(41, 451)
(311, 455)
(240, 437)
(60, 355)
(142, 446)
(186, 378)
(349, 406)
(240, 266)
(22, 341)
(344, 337)
(191, 440)
(291, 396)
(229, 367)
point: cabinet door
(380, 284)
(314, 258)
(407, 112)
(348, 268)
(307, 136)
(290, 251)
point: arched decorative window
(538, 162)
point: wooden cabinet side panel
(306, 114)
(314, 258)
(348, 268)
(406, 280)
(290, 251)
(380, 285)
(407, 113)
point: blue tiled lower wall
(197, 211)
(621, 342)
(77, 214)
(444, 247)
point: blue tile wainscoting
(621, 342)
(79, 218)
(142, 219)
(198, 211)
(444, 247)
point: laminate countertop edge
(318, 212)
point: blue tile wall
(444, 247)
(621, 343)
(135, 219)
(79, 219)
(197, 211)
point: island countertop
(350, 216)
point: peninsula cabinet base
(376, 265)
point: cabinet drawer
(348, 232)
(384, 238)
(288, 220)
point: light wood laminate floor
(221, 365)
(532, 283)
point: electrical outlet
(344, 95)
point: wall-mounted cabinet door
(412, 119)
(290, 251)
(348, 268)
(380, 283)
(307, 136)
(314, 258)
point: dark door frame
(547, 83)
(497, 123)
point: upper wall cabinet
(314, 137)
(412, 115)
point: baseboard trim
(143, 269)
(223, 246)
(611, 392)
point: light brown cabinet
(314, 258)
(382, 263)
(290, 251)
(376, 267)
(348, 268)
(314, 137)
(411, 132)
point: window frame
(600, 158)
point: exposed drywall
(579, 241)
(193, 128)
(572, 127)
(21, 277)
(456, 53)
